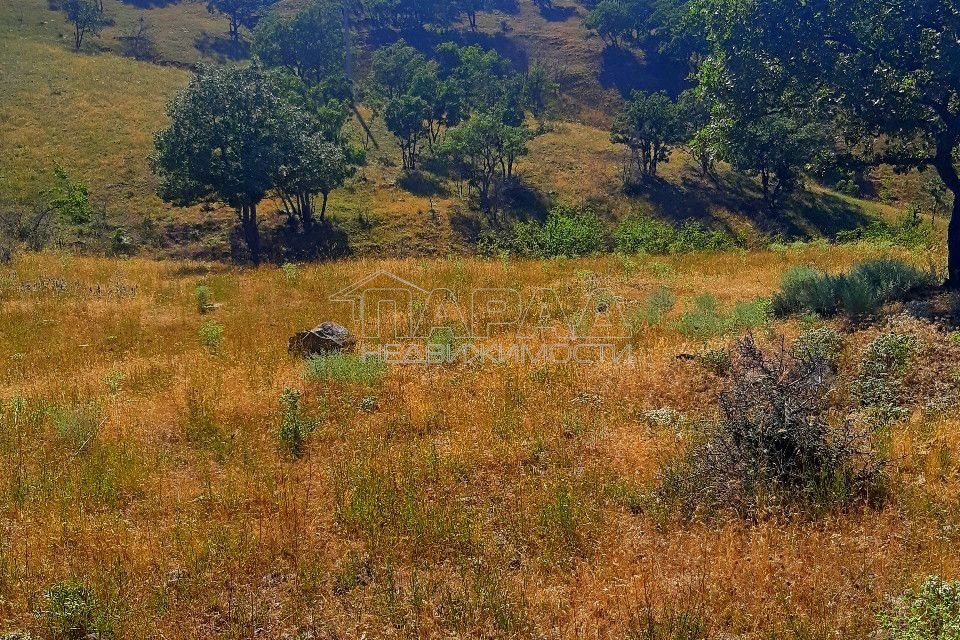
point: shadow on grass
(222, 48)
(622, 69)
(557, 14)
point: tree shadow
(422, 184)
(803, 215)
(557, 14)
(222, 48)
(150, 4)
(324, 240)
(623, 70)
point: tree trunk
(323, 207)
(953, 246)
(948, 173)
(251, 231)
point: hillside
(95, 113)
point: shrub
(295, 425)
(931, 612)
(204, 295)
(567, 232)
(910, 232)
(773, 448)
(211, 336)
(706, 320)
(642, 234)
(654, 309)
(345, 367)
(878, 386)
(864, 290)
(72, 612)
(824, 343)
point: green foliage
(878, 386)
(909, 232)
(823, 343)
(650, 125)
(642, 234)
(71, 611)
(241, 13)
(309, 42)
(78, 426)
(655, 308)
(567, 232)
(345, 367)
(204, 298)
(930, 612)
(211, 336)
(86, 17)
(236, 134)
(295, 425)
(70, 199)
(613, 20)
(864, 290)
(706, 320)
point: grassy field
(140, 458)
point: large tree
(241, 13)
(649, 125)
(231, 132)
(887, 72)
(309, 42)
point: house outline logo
(380, 296)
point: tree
(394, 69)
(776, 149)
(231, 132)
(487, 148)
(310, 42)
(86, 16)
(315, 166)
(613, 20)
(406, 118)
(241, 13)
(883, 70)
(649, 125)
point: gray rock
(328, 337)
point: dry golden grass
(471, 501)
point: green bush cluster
(642, 234)
(567, 232)
(71, 611)
(707, 320)
(909, 232)
(861, 291)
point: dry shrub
(777, 447)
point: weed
(773, 448)
(211, 336)
(931, 612)
(879, 383)
(204, 297)
(345, 367)
(72, 612)
(295, 425)
(291, 273)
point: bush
(642, 234)
(909, 232)
(295, 425)
(567, 232)
(72, 612)
(823, 343)
(931, 612)
(204, 295)
(706, 320)
(211, 336)
(773, 448)
(345, 367)
(864, 290)
(879, 385)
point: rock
(328, 337)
